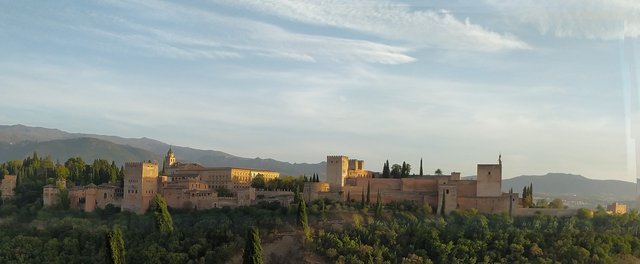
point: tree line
(402, 170)
(34, 172)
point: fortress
(347, 178)
(192, 186)
(183, 186)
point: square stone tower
(337, 167)
(140, 186)
(489, 181)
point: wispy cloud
(593, 19)
(391, 20)
(200, 34)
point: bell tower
(170, 159)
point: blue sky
(453, 82)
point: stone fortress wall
(348, 178)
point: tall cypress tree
(116, 250)
(443, 203)
(386, 171)
(164, 222)
(378, 204)
(252, 249)
(421, 174)
(296, 194)
(348, 196)
(368, 193)
(302, 218)
(403, 170)
(362, 204)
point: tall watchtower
(140, 185)
(489, 179)
(337, 167)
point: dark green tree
(348, 196)
(63, 198)
(296, 194)
(527, 196)
(164, 222)
(224, 192)
(556, 203)
(396, 171)
(302, 218)
(444, 197)
(252, 248)
(386, 172)
(116, 250)
(421, 174)
(362, 201)
(258, 182)
(438, 172)
(406, 170)
(368, 193)
(378, 204)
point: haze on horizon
(551, 85)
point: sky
(549, 85)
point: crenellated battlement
(133, 164)
(139, 163)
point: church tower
(170, 159)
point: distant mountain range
(19, 141)
(573, 187)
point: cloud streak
(592, 19)
(390, 20)
(223, 37)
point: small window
(447, 191)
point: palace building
(183, 186)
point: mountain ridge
(16, 139)
(573, 185)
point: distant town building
(617, 208)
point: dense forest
(403, 236)
(400, 233)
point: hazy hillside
(569, 185)
(87, 148)
(20, 133)
(18, 141)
